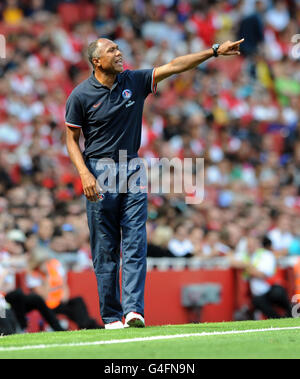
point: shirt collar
(97, 84)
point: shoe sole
(114, 328)
(136, 323)
(110, 326)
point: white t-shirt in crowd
(219, 247)
(180, 248)
(280, 240)
(279, 19)
(265, 262)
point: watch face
(215, 49)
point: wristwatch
(215, 48)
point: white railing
(221, 263)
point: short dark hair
(267, 243)
(92, 51)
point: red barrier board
(163, 295)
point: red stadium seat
(73, 13)
(69, 13)
(88, 12)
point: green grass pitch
(281, 343)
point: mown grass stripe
(143, 339)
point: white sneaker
(134, 320)
(114, 325)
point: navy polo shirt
(111, 119)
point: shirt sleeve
(145, 80)
(74, 112)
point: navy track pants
(118, 222)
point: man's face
(252, 245)
(284, 224)
(181, 233)
(14, 247)
(46, 229)
(111, 58)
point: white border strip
(153, 86)
(74, 125)
(143, 339)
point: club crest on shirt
(127, 94)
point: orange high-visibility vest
(56, 284)
(297, 277)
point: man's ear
(97, 62)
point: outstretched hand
(230, 48)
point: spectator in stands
(5, 180)
(13, 260)
(158, 242)
(180, 245)
(196, 236)
(213, 245)
(281, 236)
(252, 29)
(278, 17)
(15, 247)
(35, 8)
(105, 24)
(45, 232)
(260, 266)
(70, 246)
(12, 13)
(47, 278)
(22, 303)
(294, 249)
(8, 321)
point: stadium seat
(69, 13)
(87, 12)
(74, 13)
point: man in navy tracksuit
(108, 108)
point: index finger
(238, 42)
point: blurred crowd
(241, 114)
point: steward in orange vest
(49, 279)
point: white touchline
(143, 339)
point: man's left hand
(230, 48)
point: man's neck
(105, 79)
